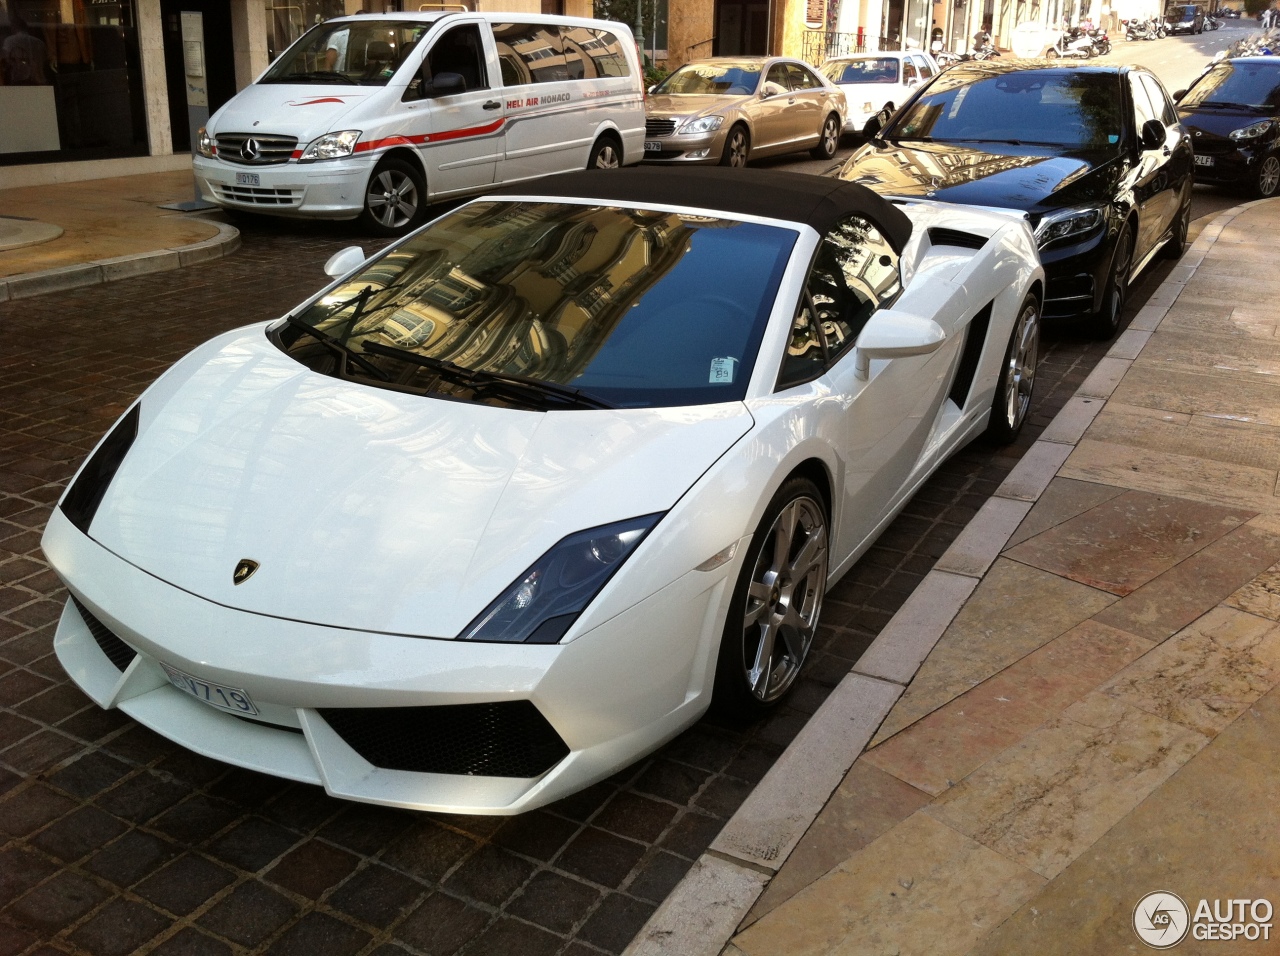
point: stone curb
(703, 912)
(23, 286)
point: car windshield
(351, 52)
(1045, 107)
(629, 307)
(727, 79)
(1255, 85)
(872, 70)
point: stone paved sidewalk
(1100, 719)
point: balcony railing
(819, 45)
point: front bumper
(1232, 167)
(612, 695)
(696, 148)
(332, 189)
(1076, 276)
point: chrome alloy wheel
(1269, 176)
(1021, 375)
(607, 157)
(736, 149)
(392, 199)
(784, 599)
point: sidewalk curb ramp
(83, 274)
(703, 912)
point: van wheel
(605, 154)
(394, 200)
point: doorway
(219, 61)
(742, 28)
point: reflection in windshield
(714, 79)
(354, 52)
(1054, 107)
(1253, 85)
(631, 307)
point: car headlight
(331, 146)
(707, 124)
(546, 599)
(1065, 223)
(205, 144)
(1253, 131)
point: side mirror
(871, 129)
(445, 84)
(890, 334)
(771, 89)
(1152, 134)
(344, 261)
(1178, 95)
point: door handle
(492, 105)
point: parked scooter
(1211, 22)
(1074, 43)
(1101, 41)
(1145, 30)
(983, 48)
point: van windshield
(350, 52)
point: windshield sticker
(1113, 138)
(723, 371)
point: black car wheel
(775, 607)
(737, 147)
(1268, 177)
(828, 140)
(1178, 238)
(1106, 321)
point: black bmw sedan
(1094, 155)
(1233, 115)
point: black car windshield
(351, 52)
(880, 69)
(725, 79)
(619, 307)
(1235, 84)
(1055, 107)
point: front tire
(1106, 321)
(605, 154)
(1178, 240)
(774, 611)
(1012, 403)
(1268, 179)
(828, 140)
(394, 199)
(737, 147)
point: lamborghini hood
(371, 509)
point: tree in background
(624, 11)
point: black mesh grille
(509, 739)
(118, 652)
(941, 236)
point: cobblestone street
(114, 840)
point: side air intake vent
(86, 492)
(507, 739)
(940, 236)
(118, 652)
(975, 337)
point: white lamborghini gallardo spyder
(504, 507)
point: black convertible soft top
(816, 201)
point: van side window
(530, 53)
(855, 272)
(459, 51)
(605, 51)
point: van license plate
(651, 147)
(248, 179)
(1204, 160)
(231, 699)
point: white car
(502, 509)
(875, 81)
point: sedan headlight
(706, 124)
(205, 144)
(1067, 223)
(544, 601)
(1254, 131)
(331, 146)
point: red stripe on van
(373, 144)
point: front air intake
(81, 501)
(507, 739)
(941, 236)
(119, 653)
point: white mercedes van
(375, 116)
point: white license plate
(1204, 160)
(651, 147)
(231, 699)
(248, 179)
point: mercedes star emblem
(250, 150)
(244, 570)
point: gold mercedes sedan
(730, 109)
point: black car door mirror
(873, 126)
(1152, 134)
(1178, 95)
(445, 84)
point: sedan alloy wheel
(1268, 177)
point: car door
(810, 97)
(885, 420)
(1151, 173)
(771, 121)
(462, 136)
(1177, 154)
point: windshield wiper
(481, 381)
(316, 76)
(334, 345)
(1231, 106)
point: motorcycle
(1211, 22)
(1101, 41)
(1145, 30)
(983, 48)
(1074, 43)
